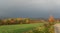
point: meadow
(19, 28)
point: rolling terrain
(18, 28)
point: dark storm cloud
(29, 8)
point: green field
(18, 28)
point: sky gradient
(30, 8)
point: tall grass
(46, 28)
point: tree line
(14, 21)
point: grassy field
(18, 28)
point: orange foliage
(12, 20)
(51, 19)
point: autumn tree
(0, 21)
(51, 20)
(26, 20)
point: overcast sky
(30, 8)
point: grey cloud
(29, 8)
